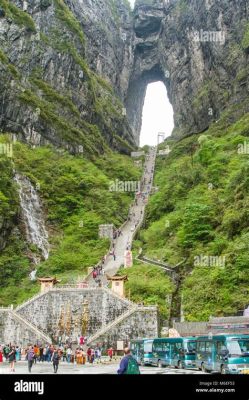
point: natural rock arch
(197, 73)
(147, 67)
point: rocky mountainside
(199, 49)
(64, 71)
(73, 74)
(70, 68)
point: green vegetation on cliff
(76, 198)
(245, 41)
(149, 285)
(90, 116)
(201, 214)
(19, 17)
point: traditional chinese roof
(117, 278)
(49, 279)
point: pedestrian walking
(99, 354)
(84, 357)
(96, 355)
(69, 353)
(30, 357)
(55, 359)
(18, 353)
(89, 352)
(79, 356)
(92, 356)
(110, 353)
(44, 355)
(94, 274)
(64, 354)
(128, 364)
(6, 351)
(41, 353)
(12, 358)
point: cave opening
(158, 115)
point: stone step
(106, 328)
(40, 334)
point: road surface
(106, 369)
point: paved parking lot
(64, 368)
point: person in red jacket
(89, 353)
(110, 353)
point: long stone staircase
(111, 267)
(132, 225)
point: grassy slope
(202, 208)
(76, 197)
(149, 285)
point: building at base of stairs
(67, 313)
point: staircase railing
(107, 327)
(38, 332)
(119, 319)
(123, 299)
(26, 303)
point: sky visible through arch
(157, 114)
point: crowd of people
(135, 216)
(51, 354)
(97, 272)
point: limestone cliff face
(64, 72)
(199, 49)
(70, 68)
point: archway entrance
(158, 116)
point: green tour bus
(137, 350)
(174, 352)
(141, 350)
(226, 354)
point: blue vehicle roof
(223, 336)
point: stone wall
(61, 310)
(143, 323)
(72, 312)
(13, 331)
